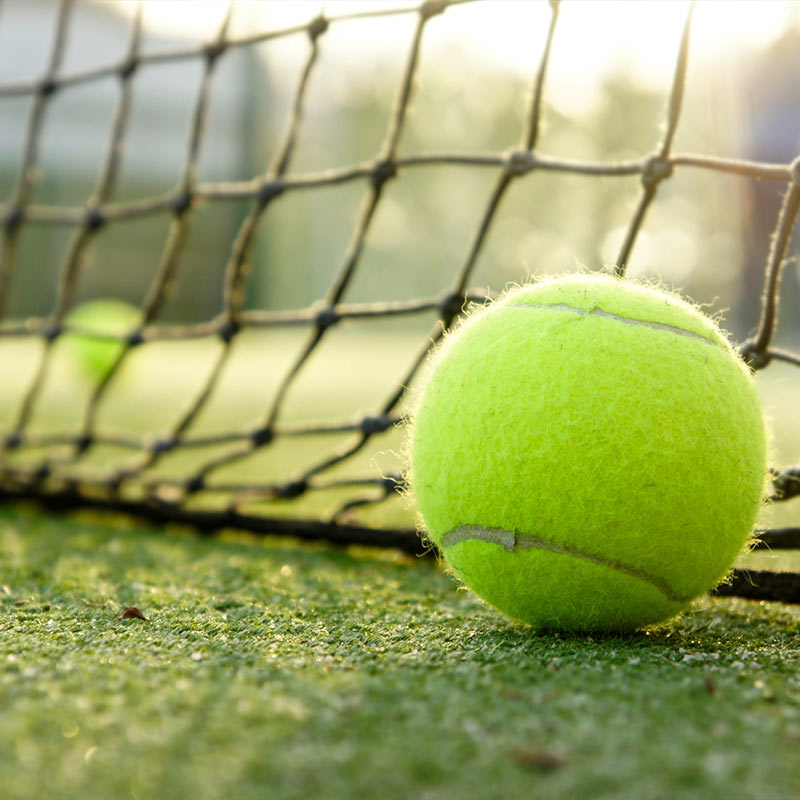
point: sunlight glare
(594, 38)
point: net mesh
(87, 464)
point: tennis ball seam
(599, 312)
(511, 542)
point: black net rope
(52, 474)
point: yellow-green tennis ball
(106, 317)
(588, 454)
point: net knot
(754, 357)
(14, 218)
(127, 68)
(47, 86)
(51, 331)
(261, 437)
(451, 307)
(181, 203)
(82, 443)
(393, 483)
(518, 162)
(432, 8)
(382, 172)
(114, 482)
(161, 446)
(195, 484)
(655, 170)
(42, 474)
(228, 330)
(373, 425)
(292, 489)
(213, 50)
(268, 191)
(95, 219)
(317, 27)
(135, 338)
(326, 318)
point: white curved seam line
(658, 326)
(512, 542)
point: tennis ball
(94, 357)
(588, 454)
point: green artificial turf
(284, 670)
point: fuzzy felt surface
(559, 591)
(611, 419)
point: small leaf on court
(131, 612)
(534, 758)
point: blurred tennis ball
(94, 357)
